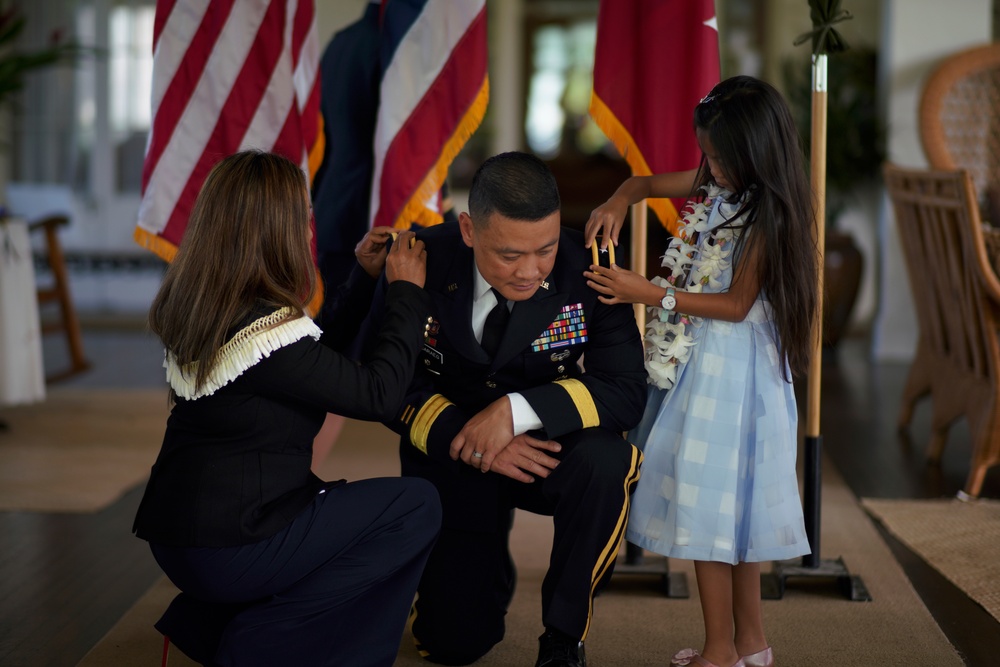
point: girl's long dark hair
(751, 129)
(246, 244)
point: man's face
(514, 256)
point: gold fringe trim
(583, 401)
(319, 295)
(415, 210)
(318, 149)
(243, 351)
(158, 245)
(629, 149)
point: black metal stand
(672, 584)
(772, 585)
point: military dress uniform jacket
(540, 355)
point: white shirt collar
(482, 288)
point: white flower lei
(701, 258)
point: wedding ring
(477, 455)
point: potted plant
(855, 152)
(15, 63)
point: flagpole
(813, 440)
(638, 254)
(673, 584)
(812, 566)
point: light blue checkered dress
(718, 480)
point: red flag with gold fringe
(654, 60)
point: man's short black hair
(516, 185)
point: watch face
(668, 302)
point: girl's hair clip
(708, 98)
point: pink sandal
(763, 658)
(689, 656)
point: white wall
(917, 35)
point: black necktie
(496, 322)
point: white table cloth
(22, 377)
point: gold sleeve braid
(422, 423)
(583, 401)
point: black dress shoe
(557, 649)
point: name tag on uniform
(569, 328)
(434, 353)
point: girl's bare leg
(715, 587)
(749, 638)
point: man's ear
(465, 224)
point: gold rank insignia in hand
(594, 251)
(413, 239)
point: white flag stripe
(415, 65)
(270, 116)
(181, 26)
(203, 110)
(307, 69)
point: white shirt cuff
(525, 418)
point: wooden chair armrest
(48, 222)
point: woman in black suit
(276, 566)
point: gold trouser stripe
(416, 642)
(610, 551)
(424, 420)
(583, 401)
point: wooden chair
(956, 294)
(960, 121)
(67, 324)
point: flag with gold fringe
(654, 60)
(433, 95)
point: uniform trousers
(469, 579)
(333, 588)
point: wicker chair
(957, 297)
(960, 121)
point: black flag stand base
(772, 584)
(672, 584)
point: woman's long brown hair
(246, 245)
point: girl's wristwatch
(669, 301)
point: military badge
(569, 328)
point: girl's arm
(623, 286)
(609, 216)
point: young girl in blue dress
(727, 329)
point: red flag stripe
(301, 29)
(163, 10)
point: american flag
(433, 93)
(227, 75)
(654, 60)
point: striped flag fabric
(433, 94)
(227, 75)
(654, 60)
